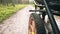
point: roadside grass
(7, 11)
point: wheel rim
(32, 28)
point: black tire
(39, 24)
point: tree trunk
(13, 3)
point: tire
(38, 24)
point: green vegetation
(6, 11)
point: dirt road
(18, 23)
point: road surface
(17, 23)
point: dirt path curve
(18, 23)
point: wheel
(36, 25)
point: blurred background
(8, 7)
(14, 15)
(13, 2)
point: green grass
(7, 11)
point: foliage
(6, 11)
(7, 2)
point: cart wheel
(36, 25)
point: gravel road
(17, 23)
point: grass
(6, 11)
